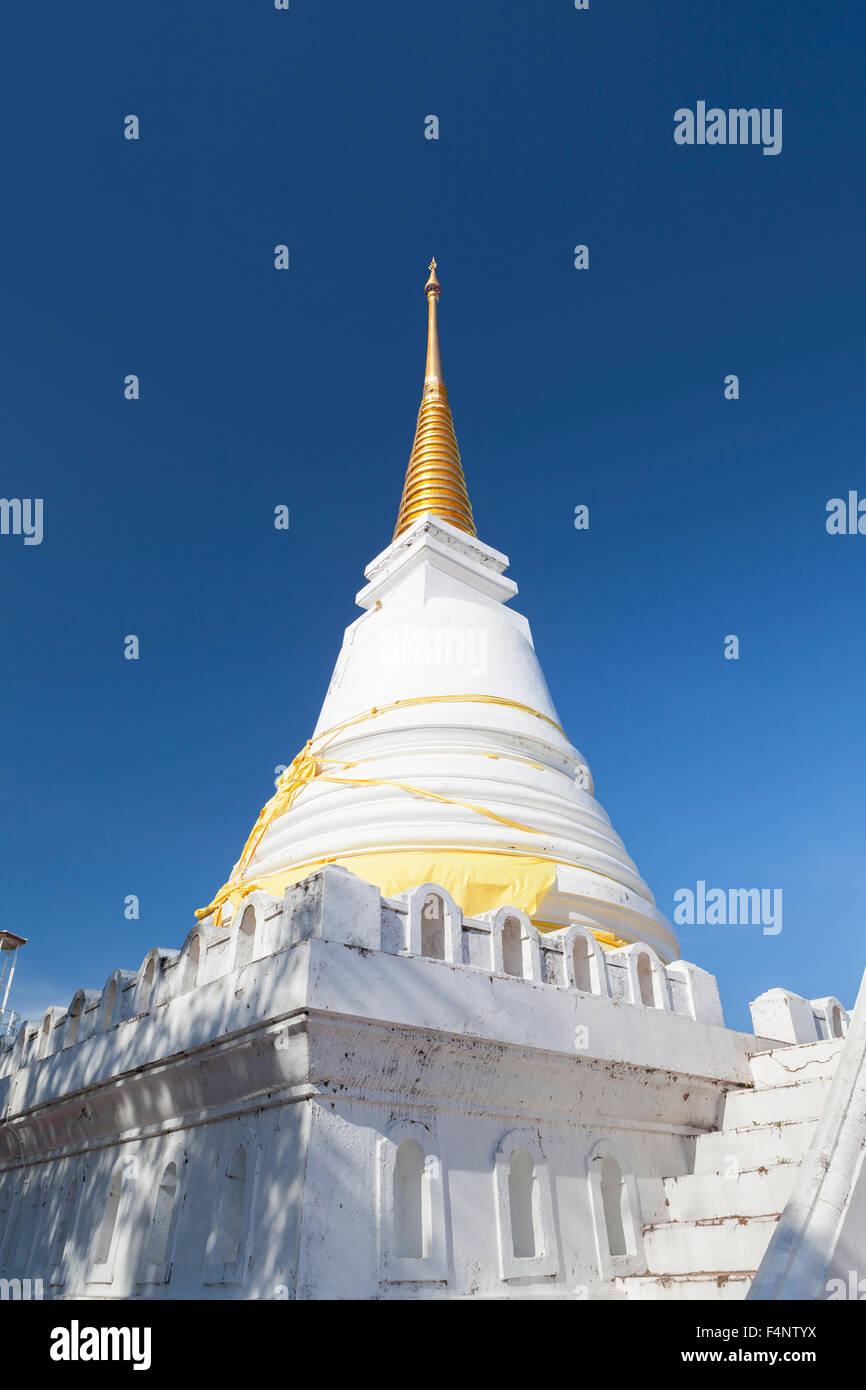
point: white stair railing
(823, 1225)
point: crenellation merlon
(790, 1018)
(335, 905)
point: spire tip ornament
(434, 477)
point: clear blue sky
(258, 388)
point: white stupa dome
(438, 756)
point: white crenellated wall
(339, 1095)
(790, 1018)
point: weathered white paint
(231, 1128)
(822, 1233)
(720, 1217)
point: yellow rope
(304, 768)
(438, 700)
(433, 796)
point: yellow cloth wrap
(309, 764)
(477, 881)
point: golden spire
(434, 477)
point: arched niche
(524, 1208)
(411, 1206)
(434, 923)
(515, 945)
(584, 961)
(615, 1209)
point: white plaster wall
(309, 1054)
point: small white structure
(432, 1038)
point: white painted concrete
(749, 1148)
(719, 1244)
(822, 1233)
(265, 1077)
(802, 1100)
(753, 1192)
(720, 1218)
(790, 1066)
(789, 1017)
(707, 1288)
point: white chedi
(441, 757)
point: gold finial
(434, 477)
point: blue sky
(259, 388)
